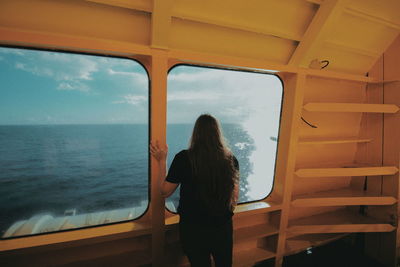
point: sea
(50, 169)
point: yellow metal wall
(194, 35)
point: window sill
(256, 208)
(116, 231)
(81, 236)
(240, 211)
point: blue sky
(39, 87)
(61, 88)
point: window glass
(73, 141)
(247, 104)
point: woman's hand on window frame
(158, 152)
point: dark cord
(326, 64)
(309, 124)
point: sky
(232, 96)
(40, 87)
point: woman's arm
(160, 154)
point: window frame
(138, 60)
(240, 69)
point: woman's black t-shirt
(190, 207)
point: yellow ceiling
(351, 34)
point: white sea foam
(241, 145)
(261, 125)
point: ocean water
(48, 169)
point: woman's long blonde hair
(213, 165)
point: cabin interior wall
(133, 27)
(326, 126)
(383, 150)
(391, 145)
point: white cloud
(136, 77)
(75, 72)
(73, 86)
(237, 94)
(206, 75)
(70, 66)
(68, 70)
(132, 100)
(193, 96)
(40, 71)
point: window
(248, 105)
(73, 141)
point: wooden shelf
(342, 197)
(340, 221)
(301, 243)
(382, 81)
(344, 172)
(251, 256)
(255, 231)
(328, 141)
(334, 75)
(351, 107)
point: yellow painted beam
(229, 61)
(319, 27)
(18, 37)
(353, 50)
(161, 23)
(326, 141)
(142, 5)
(344, 172)
(287, 147)
(158, 105)
(371, 17)
(265, 29)
(147, 6)
(11, 36)
(351, 107)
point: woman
(208, 173)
